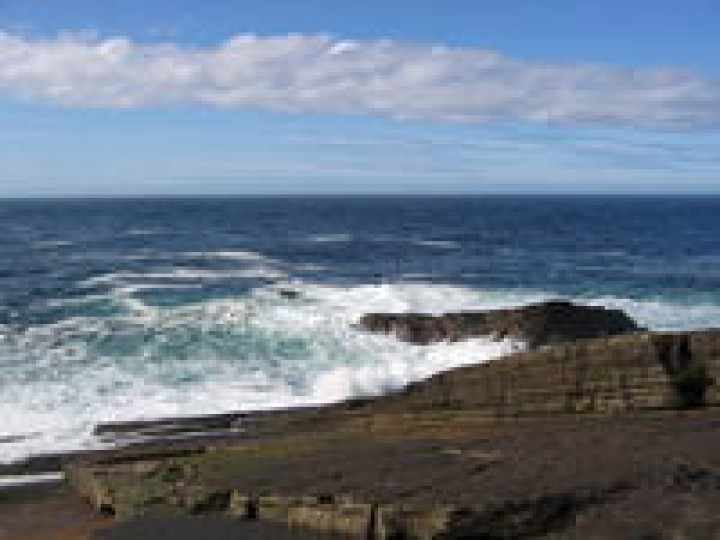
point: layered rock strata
(609, 375)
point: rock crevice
(688, 374)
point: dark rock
(599, 376)
(689, 373)
(289, 294)
(525, 518)
(547, 323)
(216, 425)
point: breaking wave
(260, 350)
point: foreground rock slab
(652, 475)
(613, 437)
(546, 323)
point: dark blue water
(598, 246)
(114, 309)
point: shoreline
(536, 324)
(592, 437)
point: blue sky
(249, 97)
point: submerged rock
(547, 323)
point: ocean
(115, 310)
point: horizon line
(155, 196)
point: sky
(249, 97)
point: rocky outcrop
(612, 437)
(347, 517)
(600, 376)
(332, 515)
(657, 477)
(547, 323)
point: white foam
(353, 362)
(255, 352)
(30, 479)
(144, 232)
(49, 244)
(61, 380)
(185, 274)
(660, 314)
(236, 255)
(440, 244)
(423, 242)
(309, 267)
(417, 276)
(420, 297)
(394, 369)
(330, 238)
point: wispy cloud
(316, 73)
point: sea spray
(260, 351)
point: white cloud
(316, 73)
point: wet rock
(167, 430)
(289, 294)
(547, 323)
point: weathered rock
(413, 522)
(612, 477)
(289, 294)
(171, 426)
(333, 515)
(599, 376)
(547, 323)
(564, 442)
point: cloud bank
(321, 74)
